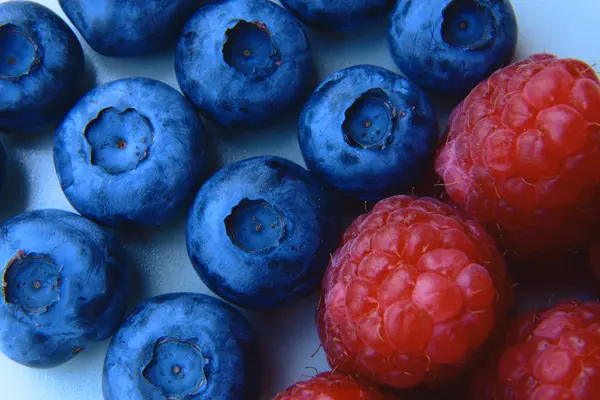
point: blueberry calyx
(369, 122)
(119, 140)
(176, 368)
(255, 226)
(32, 282)
(249, 49)
(468, 24)
(20, 55)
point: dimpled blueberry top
(41, 66)
(183, 346)
(338, 15)
(368, 132)
(129, 28)
(65, 283)
(260, 232)
(449, 46)
(244, 62)
(130, 152)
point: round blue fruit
(65, 284)
(260, 232)
(131, 152)
(368, 132)
(129, 28)
(2, 166)
(449, 46)
(41, 67)
(244, 62)
(183, 346)
(337, 15)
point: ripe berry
(412, 294)
(331, 386)
(523, 154)
(553, 355)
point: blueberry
(244, 62)
(131, 152)
(41, 67)
(449, 46)
(337, 15)
(65, 283)
(260, 232)
(368, 132)
(129, 28)
(183, 346)
(2, 166)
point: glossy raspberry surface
(331, 386)
(555, 355)
(523, 153)
(411, 295)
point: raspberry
(331, 386)
(552, 355)
(412, 294)
(523, 154)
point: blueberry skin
(368, 132)
(65, 285)
(337, 15)
(131, 152)
(2, 166)
(449, 46)
(244, 62)
(183, 346)
(261, 231)
(129, 28)
(41, 67)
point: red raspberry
(412, 294)
(555, 355)
(331, 386)
(523, 153)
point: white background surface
(569, 28)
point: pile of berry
(429, 294)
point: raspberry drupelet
(523, 154)
(412, 295)
(554, 354)
(332, 386)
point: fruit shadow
(277, 139)
(13, 196)
(364, 45)
(283, 328)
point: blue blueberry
(337, 15)
(41, 67)
(244, 62)
(65, 283)
(449, 46)
(2, 166)
(368, 132)
(260, 232)
(183, 346)
(129, 28)
(131, 152)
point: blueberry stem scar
(176, 381)
(255, 226)
(249, 49)
(23, 54)
(119, 140)
(371, 114)
(468, 24)
(31, 281)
